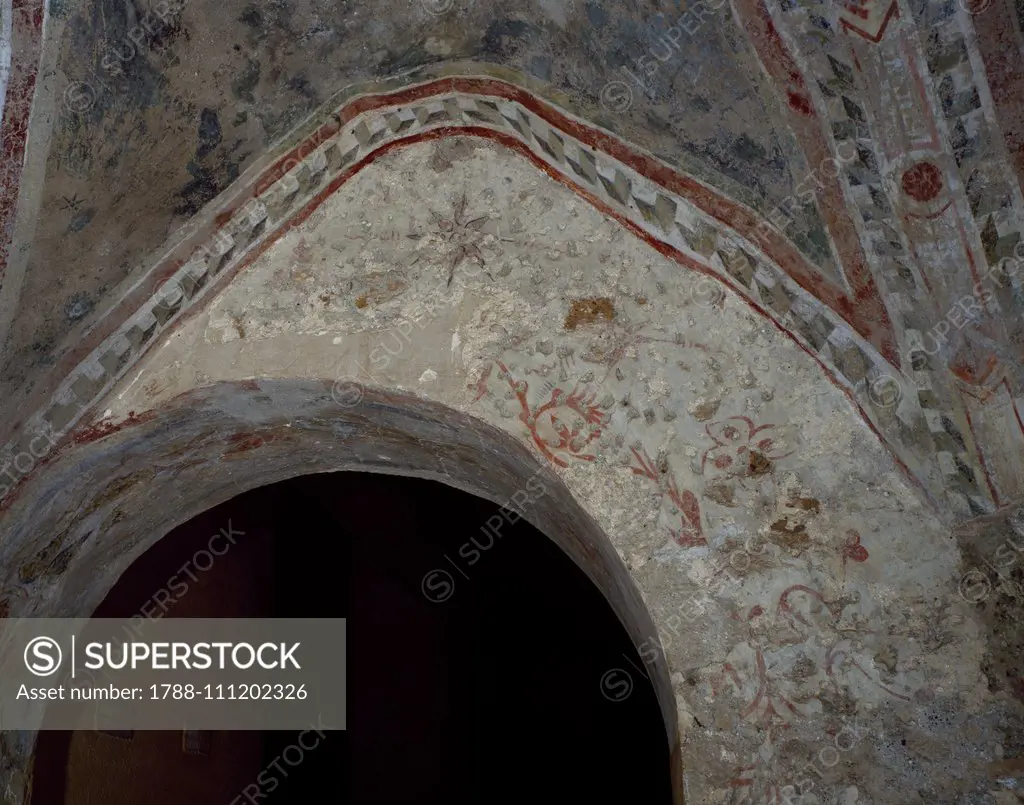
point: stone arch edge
(70, 540)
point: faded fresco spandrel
(791, 566)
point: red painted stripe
(516, 145)
(981, 458)
(1013, 402)
(861, 311)
(866, 311)
(893, 12)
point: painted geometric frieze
(939, 222)
(989, 206)
(679, 217)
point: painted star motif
(458, 235)
(73, 203)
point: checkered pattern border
(661, 215)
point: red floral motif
(806, 612)
(755, 611)
(762, 687)
(852, 549)
(769, 705)
(735, 438)
(691, 533)
(480, 387)
(566, 423)
(840, 652)
(922, 182)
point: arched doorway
(494, 681)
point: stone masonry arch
(207, 446)
(798, 584)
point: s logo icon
(43, 656)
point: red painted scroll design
(563, 427)
(738, 443)
(691, 532)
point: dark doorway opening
(500, 692)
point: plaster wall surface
(807, 599)
(767, 503)
(157, 112)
